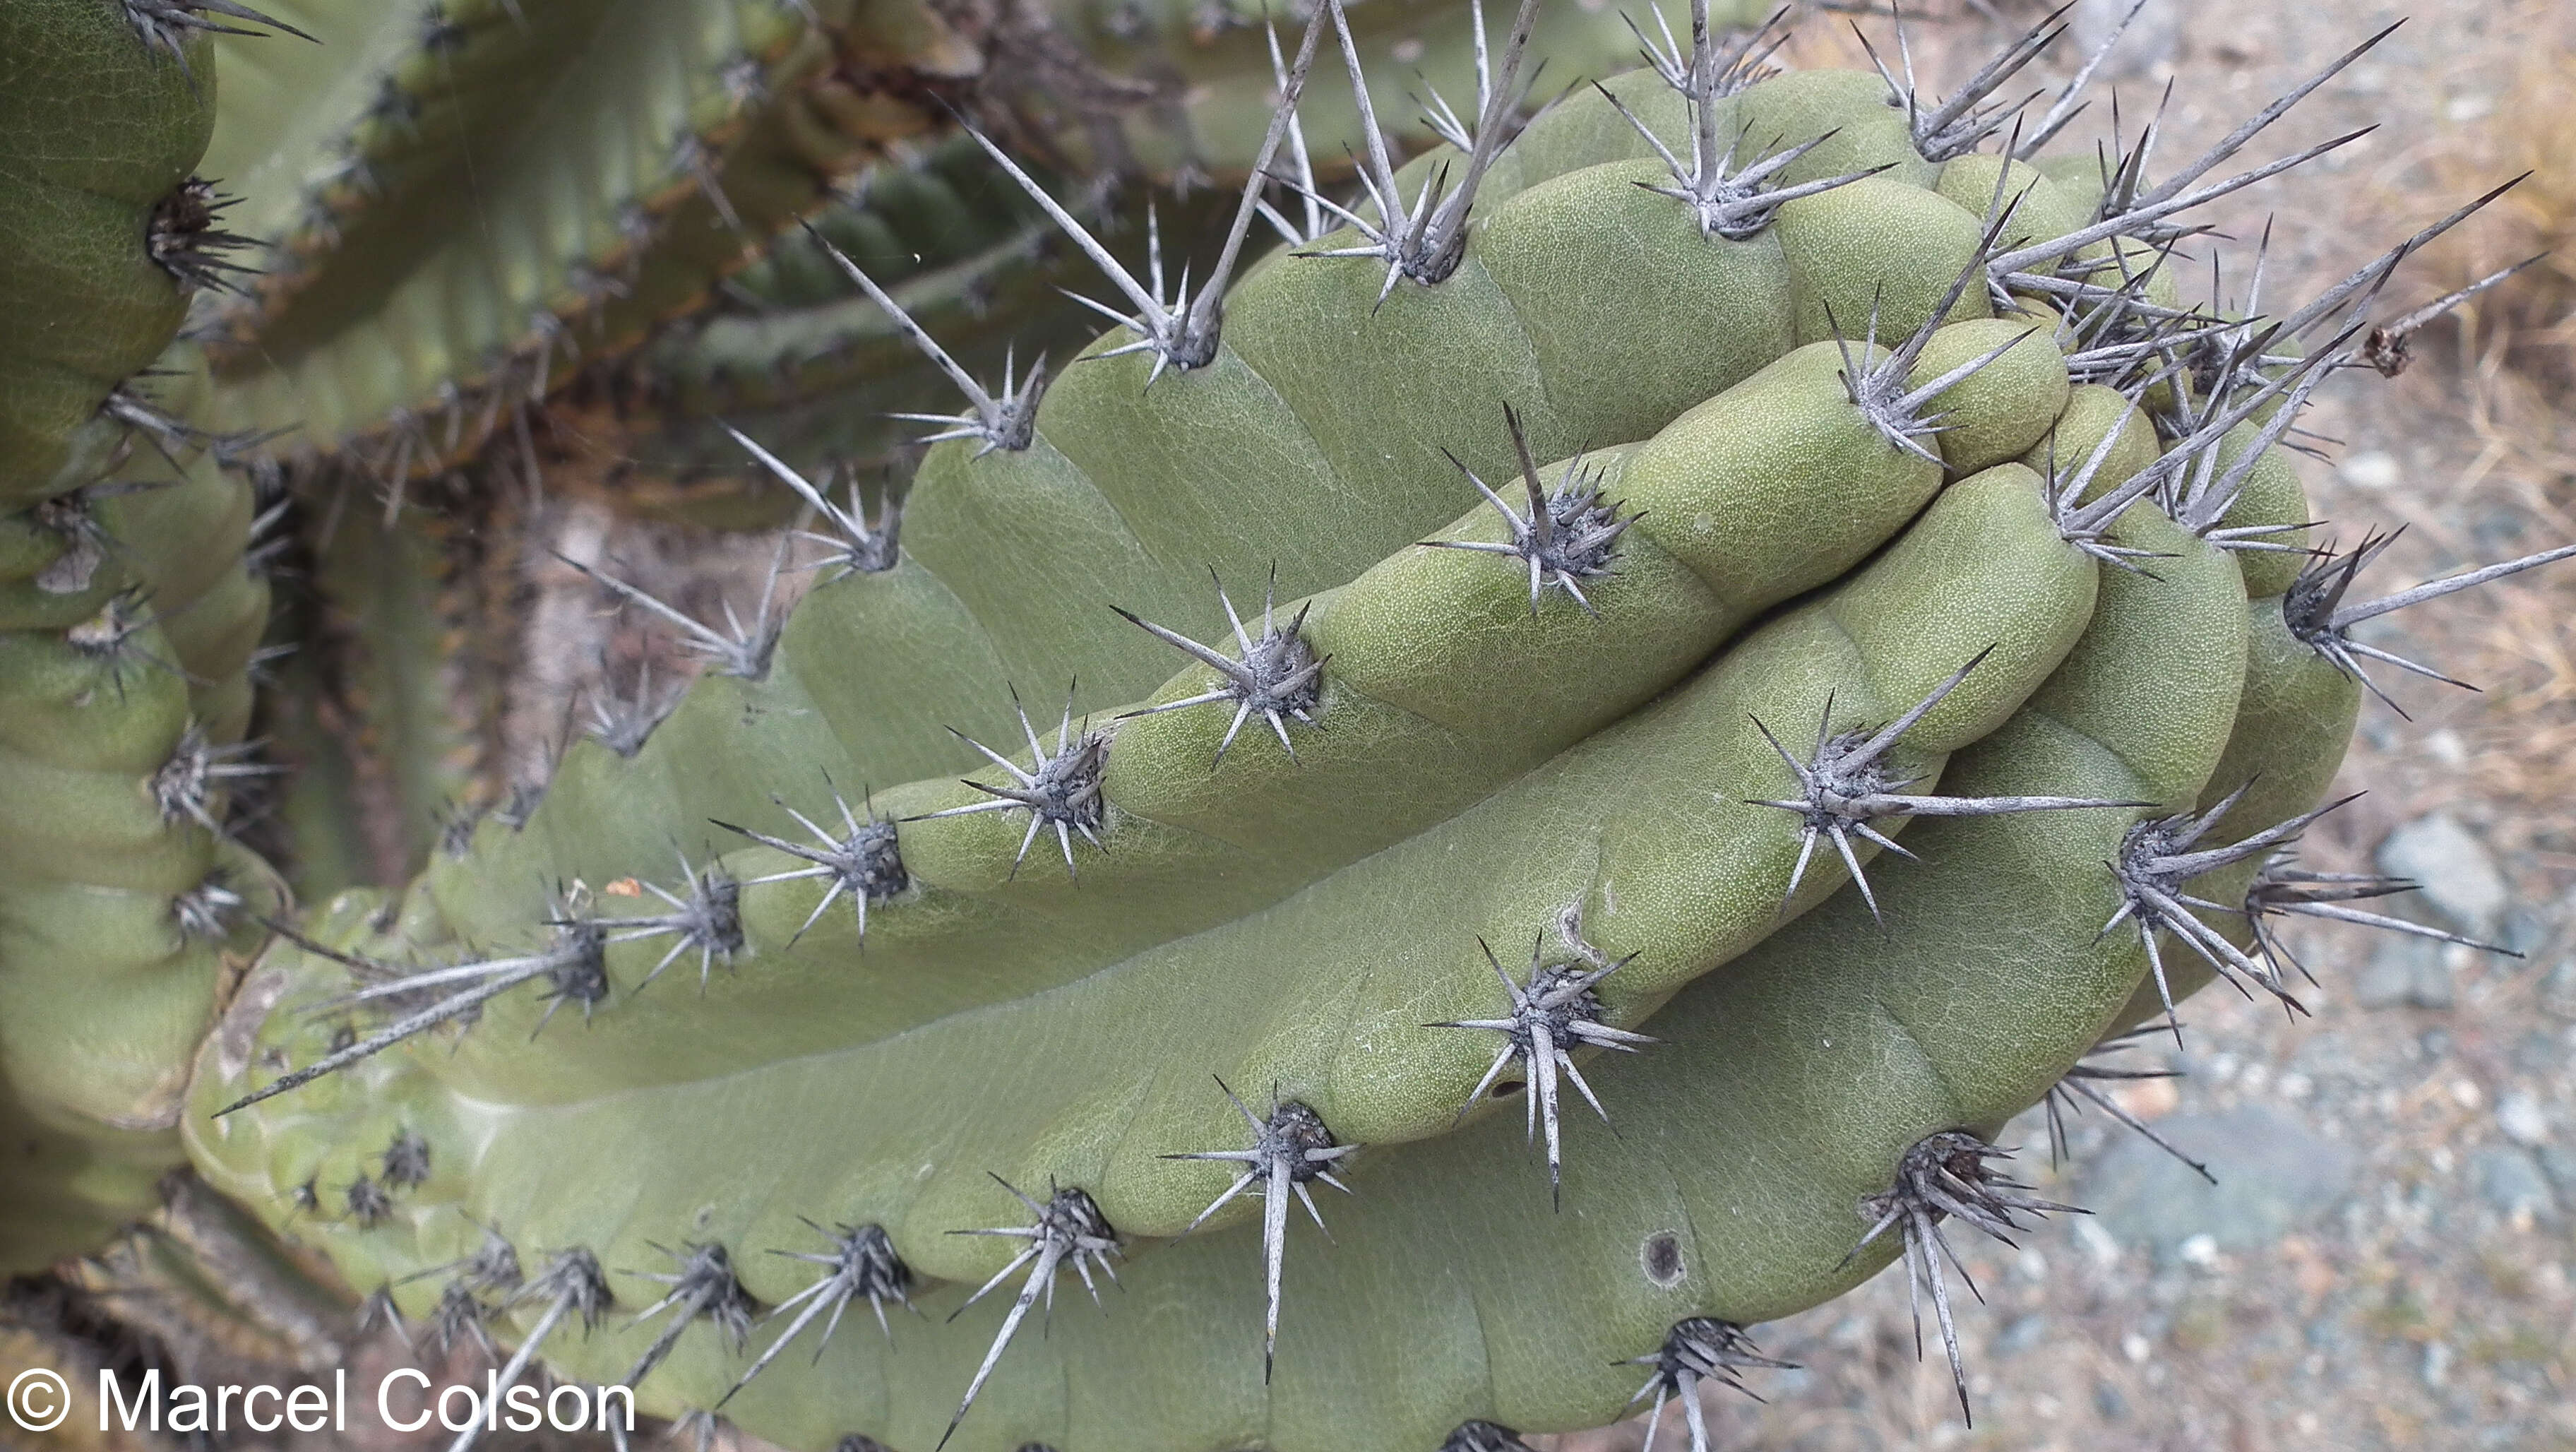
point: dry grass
(2504, 366)
(2527, 326)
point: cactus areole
(1741, 610)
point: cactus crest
(1756, 515)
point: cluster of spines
(1067, 1229)
(1847, 782)
(864, 861)
(1947, 1175)
(702, 1287)
(1569, 535)
(168, 25)
(188, 241)
(1273, 676)
(1290, 1149)
(1729, 200)
(1552, 1013)
(2069, 1095)
(1697, 1351)
(1060, 788)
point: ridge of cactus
(1139, 1274)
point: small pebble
(2446, 747)
(2511, 1181)
(2369, 469)
(2459, 876)
(2405, 971)
(2024, 1333)
(2518, 1114)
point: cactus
(623, 156)
(1577, 468)
(132, 596)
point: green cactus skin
(2295, 720)
(1848, 487)
(87, 303)
(925, 207)
(1803, 1135)
(421, 703)
(1753, 556)
(790, 357)
(582, 137)
(115, 761)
